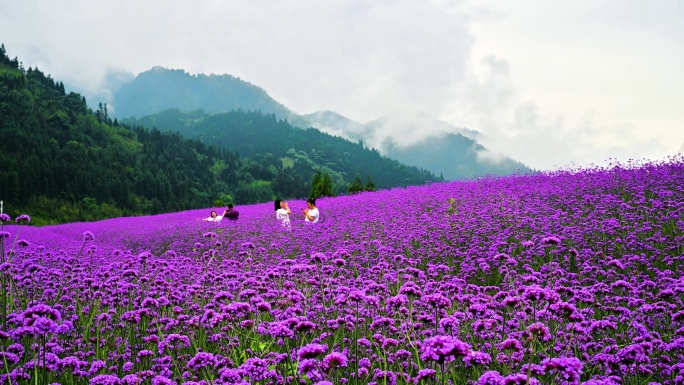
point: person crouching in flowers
(282, 212)
(311, 212)
(213, 218)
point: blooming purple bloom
(308, 367)
(567, 368)
(105, 379)
(437, 300)
(478, 358)
(256, 369)
(425, 374)
(490, 377)
(23, 218)
(311, 351)
(519, 379)
(443, 349)
(540, 331)
(161, 380)
(201, 360)
(334, 360)
(551, 241)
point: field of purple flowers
(571, 277)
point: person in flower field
(311, 213)
(213, 218)
(231, 213)
(282, 212)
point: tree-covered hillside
(295, 151)
(455, 157)
(61, 161)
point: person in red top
(231, 213)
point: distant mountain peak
(336, 124)
(417, 138)
(412, 137)
(159, 89)
(400, 128)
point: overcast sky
(551, 83)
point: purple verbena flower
(443, 349)
(311, 351)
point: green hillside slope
(62, 161)
(284, 147)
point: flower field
(571, 277)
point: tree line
(299, 152)
(62, 161)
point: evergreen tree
(328, 185)
(321, 185)
(356, 186)
(370, 185)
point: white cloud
(548, 83)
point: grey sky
(550, 83)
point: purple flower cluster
(443, 349)
(570, 277)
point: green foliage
(356, 186)
(63, 162)
(370, 185)
(223, 200)
(269, 141)
(321, 185)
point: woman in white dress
(213, 218)
(282, 212)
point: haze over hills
(383, 129)
(413, 138)
(448, 150)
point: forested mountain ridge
(62, 161)
(281, 146)
(160, 89)
(433, 145)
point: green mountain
(287, 149)
(61, 161)
(435, 146)
(426, 142)
(454, 156)
(161, 89)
